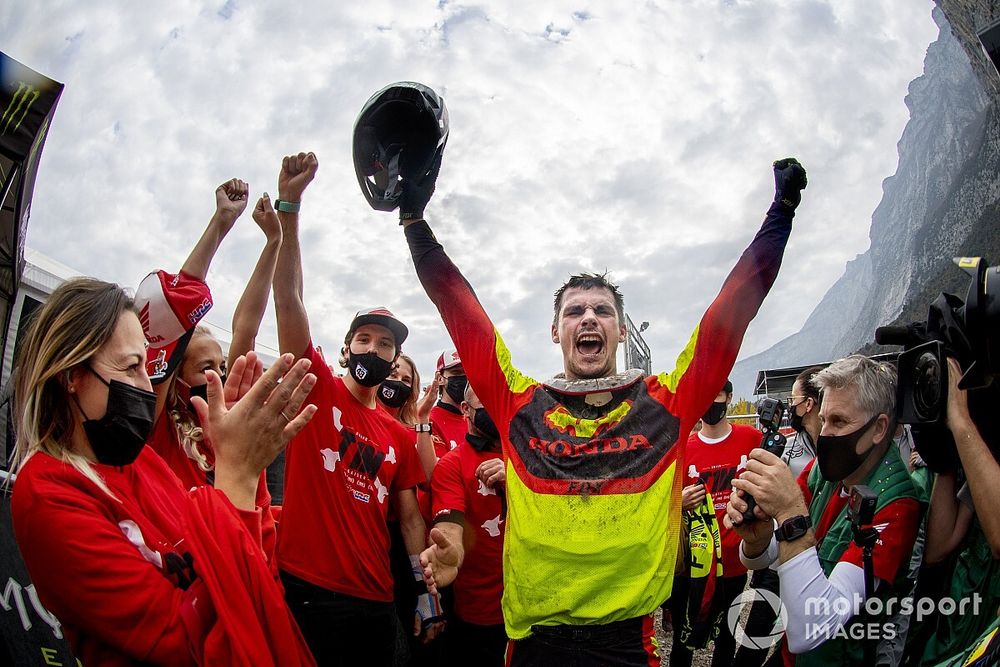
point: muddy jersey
(593, 486)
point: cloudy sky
(635, 137)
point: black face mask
(482, 420)
(368, 369)
(481, 443)
(394, 393)
(795, 419)
(715, 413)
(118, 437)
(837, 455)
(201, 391)
(456, 388)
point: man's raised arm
(297, 171)
(704, 365)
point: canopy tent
(28, 100)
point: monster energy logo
(19, 106)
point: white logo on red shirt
(453, 444)
(330, 459)
(493, 525)
(484, 490)
(383, 491)
(134, 535)
(336, 418)
(391, 456)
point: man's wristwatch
(793, 529)
(422, 428)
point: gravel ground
(664, 636)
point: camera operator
(966, 519)
(821, 587)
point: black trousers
(341, 629)
(725, 643)
(471, 644)
(628, 643)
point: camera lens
(927, 386)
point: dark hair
(590, 281)
(809, 390)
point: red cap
(448, 359)
(382, 316)
(169, 307)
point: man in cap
(448, 426)
(342, 473)
(592, 454)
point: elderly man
(821, 568)
(592, 455)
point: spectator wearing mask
(447, 422)
(819, 562)
(714, 456)
(138, 569)
(803, 416)
(333, 547)
(468, 497)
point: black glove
(415, 195)
(789, 181)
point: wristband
(422, 428)
(287, 206)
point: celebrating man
(592, 487)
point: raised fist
(789, 181)
(231, 198)
(266, 218)
(297, 171)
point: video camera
(769, 414)
(968, 330)
(861, 506)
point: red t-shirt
(896, 523)
(716, 465)
(448, 429)
(339, 472)
(101, 564)
(456, 488)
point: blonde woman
(138, 569)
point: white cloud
(585, 135)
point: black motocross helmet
(400, 132)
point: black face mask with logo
(394, 393)
(837, 455)
(118, 437)
(368, 369)
(456, 388)
(715, 413)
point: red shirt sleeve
(447, 488)
(94, 580)
(897, 527)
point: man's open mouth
(589, 343)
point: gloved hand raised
(416, 194)
(789, 181)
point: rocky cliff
(942, 202)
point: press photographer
(949, 394)
(823, 588)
